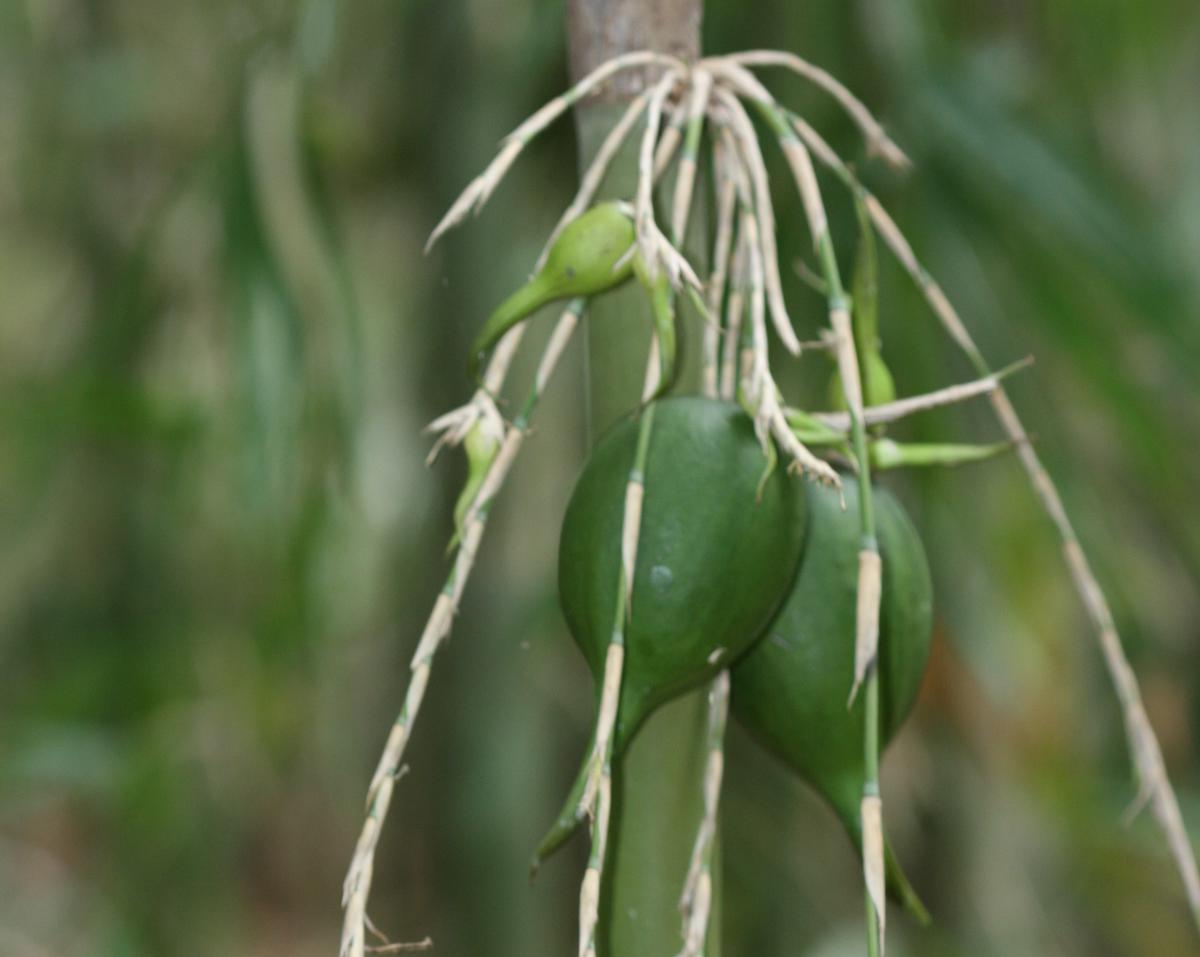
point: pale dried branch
(481, 187)
(685, 178)
(357, 886)
(877, 139)
(722, 246)
(747, 143)
(901, 408)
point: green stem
(866, 300)
(600, 815)
(530, 297)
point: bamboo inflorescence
(684, 108)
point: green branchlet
(887, 454)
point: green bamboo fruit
(590, 256)
(715, 559)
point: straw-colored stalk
(594, 175)
(685, 176)
(357, 886)
(902, 408)
(696, 902)
(870, 565)
(751, 157)
(758, 385)
(480, 189)
(596, 800)
(877, 139)
(722, 251)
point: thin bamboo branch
(655, 249)
(744, 279)
(452, 427)
(597, 795)
(644, 201)
(877, 139)
(357, 886)
(480, 189)
(594, 175)
(685, 178)
(722, 245)
(758, 385)
(1154, 785)
(890, 233)
(669, 143)
(743, 132)
(733, 319)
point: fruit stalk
(696, 901)
(597, 796)
(870, 570)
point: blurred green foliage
(219, 340)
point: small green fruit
(481, 444)
(791, 689)
(585, 260)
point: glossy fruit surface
(714, 562)
(791, 689)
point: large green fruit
(791, 690)
(715, 558)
